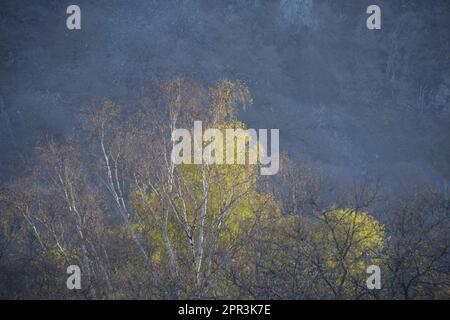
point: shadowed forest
(86, 176)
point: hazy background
(352, 102)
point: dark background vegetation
(351, 101)
(357, 106)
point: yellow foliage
(348, 241)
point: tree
(110, 200)
(419, 245)
(199, 215)
(345, 242)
